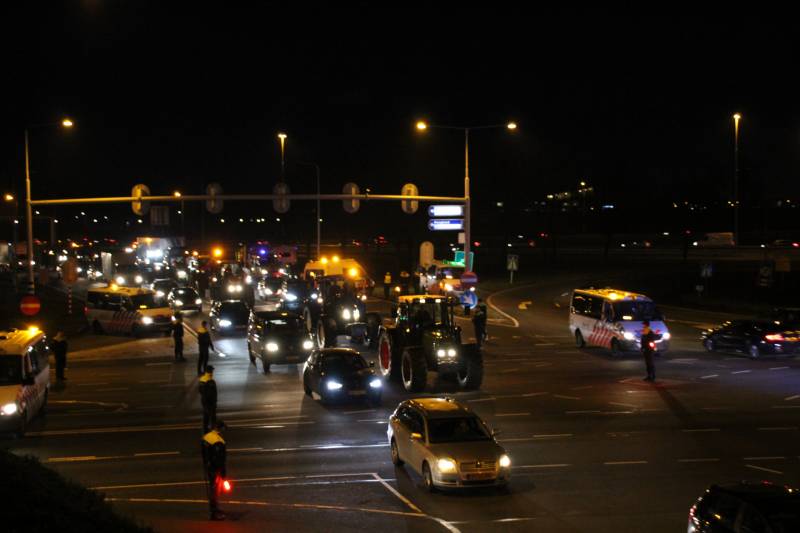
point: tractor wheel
(470, 374)
(388, 358)
(414, 369)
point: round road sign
(30, 305)
(469, 278)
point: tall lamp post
(177, 194)
(736, 118)
(66, 123)
(422, 126)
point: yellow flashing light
(353, 272)
(324, 260)
(114, 286)
(613, 296)
(217, 252)
(33, 329)
(335, 258)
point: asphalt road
(594, 448)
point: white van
(612, 319)
(127, 311)
(24, 377)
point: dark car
(277, 337)
(746, 507)
(295, 295)
(227, 317)
(271, 289)
(753, 338)
(162, 288)
(340, 373)
(184, 298)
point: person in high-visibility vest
(387, 285)
(214, 457)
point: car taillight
(774, 337)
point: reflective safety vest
(213, 437)
(387, 279)
(205, 378)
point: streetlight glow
(67, 123)
(512, 125)
(737, 116)
(421, 125)
(281, 136)
(8, 197)
(177, 194)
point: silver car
(447, 444)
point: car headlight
(198, 301)
(248, 279)
(472, 289)
(138, 279)
(363, 297)
(9, 409)
(224, 323)
(238, 288)
(159, 294)
(314, 295)
(146, 320)
(290, 297)
(334, 385)
(451, 352)
(272, 347)
(178, 302)
(307, 344)
(666, 336)
(356, 314)
(448, 287)
(346, 314)
(504, 461)
(268, 291)
(440, 352)
(629, 336)
(79, 270)
(319, 300)
(446, 466)
(181, 273)
(231, 288)
(375, 383)
(120, 280)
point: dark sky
(182, 94)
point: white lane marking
(622, 404)
(513, 320)
(244, 449)
(112, 390)
(93, 384)
(490, 399)
(703, 430)
(790, 398)
(553, 465)
(582, 387)
(779, 428)
(565, 397)
(764, 469)
(536, 437)
(699, 460)
(765, 458)
(786, 406)
(358, 412)
(155, 454)
(742, 372)
(710, 376)
(508, 370)
(613, 463)
(532, 394)
(396, 493)
(779, 368)
(581, 412)
(158, 364)
(512, 414)
(374, 420)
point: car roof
(126, 291)
(614, 294)
(758, 492)
(441, 407)
(15, 341)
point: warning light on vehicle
(353, 272)
(217, 252)
(324, 260)
(226, 486)
(335, 258)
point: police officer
(203, 345)
(59, 347)
(208, 398)
(177, 336)
(649, 338)
(214, 451)
(479, 321)
(387, 285)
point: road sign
(706, 270)
(512, 262)
(280, 205)
(446, 211)
(764, 278)
(461, 237)
(139, 190)
(458, 257)
(409, 206)
(446, 224)
(214, 206)
(426, 254)
(159, 215)
(469, 298)
(69, 271)
(469, 278)
(29, 305)
(351, 206)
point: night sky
(183, 95)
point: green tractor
(422, 338)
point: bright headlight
(363, 297)
(198, 301)
(451, 352)
(272, 347)
(446, 466)
(356, 314)
(375, 383)
(334, 385)
(224, 323)
(504, 461)
(472, 289)
(666, 336)
(448, 287)
(146, 320)
(138, 279)
(346, 314)
(440, 352)
(120, 280)
(313, 295)
(268, 291)
(159, 294)
(307, 344)
(248, 279)
(629, 336)
(231, 288)
(181, 273)
(290, 297)
(319, 300)
(178, 302)
(9, 409)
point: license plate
(487, 475)
(357, 392)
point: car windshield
(342, 362)
(163, 285)
(273, 284)
(186, 293)
(451, 272)
(636, 311)
(429, 313)
(298, 289)
(144, 301)
(236, 311)
(468, 428)
(282, 323)
(10, 370)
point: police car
(126, 310)
(613, 319)
(24, 377)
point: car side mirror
(28, 380)
(416, 436)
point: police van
(610, 318)
(126, 310)
(24, 377)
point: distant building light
(499, 204)
(608, 206)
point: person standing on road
(177, 336)
(59, 348)
(203, 344)
(214, 458)
(387, 285)
(208, 398)
(648, 347)
(479, 321)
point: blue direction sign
(446, 224)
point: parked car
(339, 374)
(277, 337)
(747, 508)
(753, 338)
(228, 316)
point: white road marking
(613, 463)
(155, 454)
(765, 458)
(565, 397)
(509, 370)
(513, 320)
(779, 368)
(764, 469)
(622, 404)
(490, 399)
(93, 384)
(513, 414)
(554, 465)
(396, 493)
(790, 398)
(779, 428)
(741, 372)
(358, 412)
(703, 430)
(710, 376)
(699, 460)
(582, 412)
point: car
(425, 338)
(24, 377)
(271, 289)
(754, 338)
(337, 310)
(341, 373)
(128, 276)
(162, 287)
(126, 310)
(746, 507)
(228, 316)
(183, 298)
(447, 444)
(295, 296)
(277, 337)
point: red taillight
(796, 245)
(226, 486)
(774, 337)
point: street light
(736, 118)
(66, 123)
(282, 137)
(422, 126)
(177, 194)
